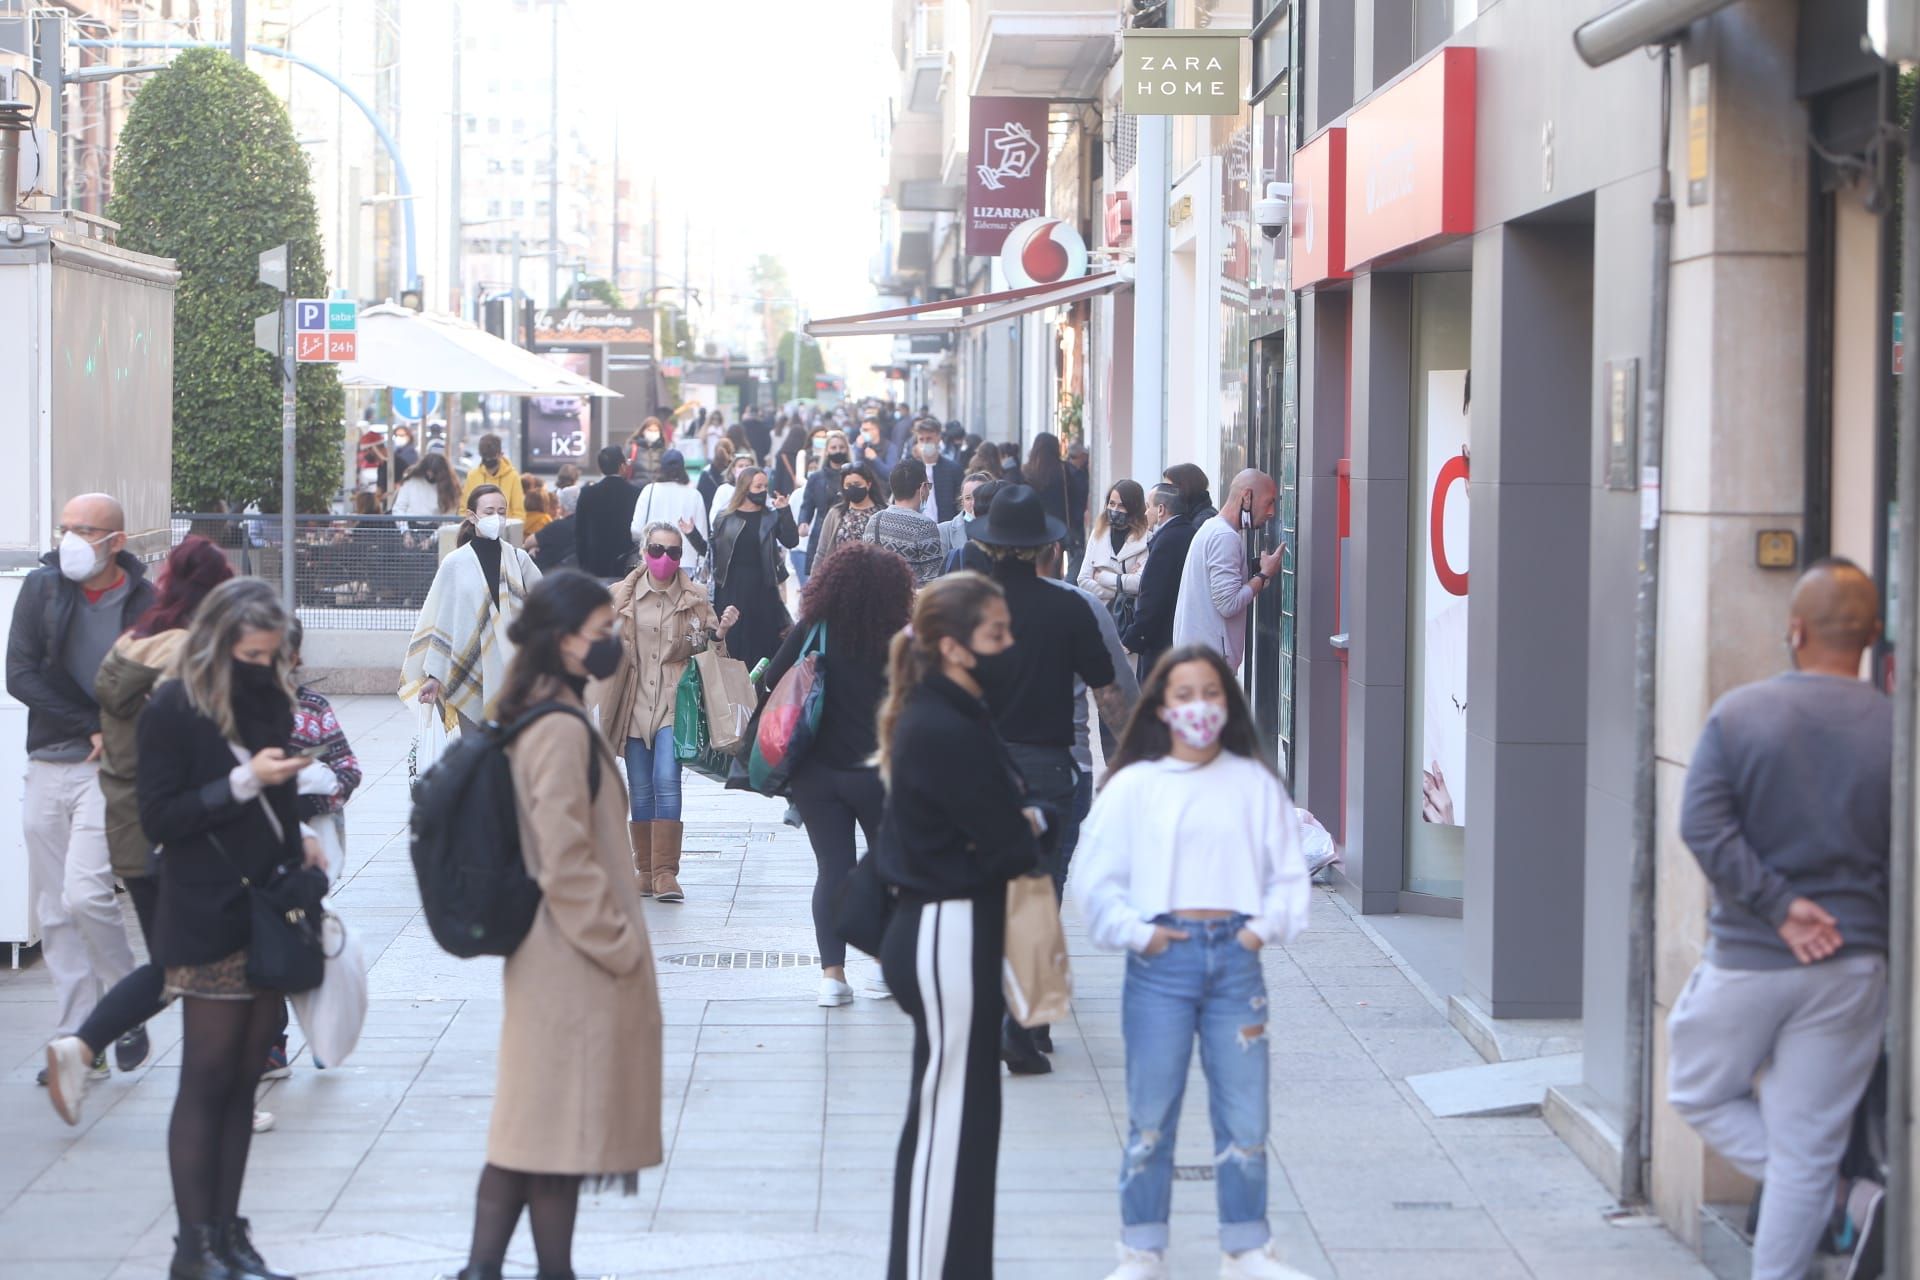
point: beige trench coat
(658, 627)
(579, 1088)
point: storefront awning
(972, 311)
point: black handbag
(284, 950)
(864, 907)
(1124, 607)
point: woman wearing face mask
(664, 620)
(578, 1096)
(217, 792)
(1190, 861)
(846, 521)
(723, 495)
(953, 832)
(749, 566)
(645, 451)
(673, 499)
(1117, 551)
(954, 533)
(477, 593)
(822, 490)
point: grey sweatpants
(1817, 1031)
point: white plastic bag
(332, 1014)
(430, 742)
(1316, 842)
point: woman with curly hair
(860, 599)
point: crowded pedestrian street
(781, 1117)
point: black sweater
(953, 826)
(854, 689)
(603, 534)
(186, 806)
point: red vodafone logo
(1453, 581)
(1043, 251)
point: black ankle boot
(486, 1272)
(243, 1260)
(197, 1256)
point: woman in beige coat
(580, 989)
(664, 620)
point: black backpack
(479, 899)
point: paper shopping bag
(729, 697)
(1035, 977)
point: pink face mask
(663, 567)
(1198, 722)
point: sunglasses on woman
(658, 549)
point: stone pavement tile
(79, 1225)
(1428, 1264)
(1353, 1223)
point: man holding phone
(1216, 591)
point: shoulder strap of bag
(539, 710)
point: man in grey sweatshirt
(1788, 810)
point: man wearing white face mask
(942, 499)
(87, 591)
(1216, 591)
(457, 659)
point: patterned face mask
(1198, 722)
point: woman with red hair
(138, 661)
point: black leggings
(552, 1200)
(140, 994)
(830, 801)
(221, 1057)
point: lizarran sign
(1181, 73)
(1006, 169)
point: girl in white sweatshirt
(1190, 861)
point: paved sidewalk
(781, 1117)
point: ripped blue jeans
(1212, 986)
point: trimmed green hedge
(208, 174)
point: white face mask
(1198, 723)
(490, 527)
(79, 559)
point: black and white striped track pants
(943, 962)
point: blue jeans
(653, 778)
(1212, 985)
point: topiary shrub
(208, 174)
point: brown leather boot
(666, 861)
(640, 834)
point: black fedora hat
(1018, 518)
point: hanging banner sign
(1443, 740)
(1006, 169)
(1181, 73)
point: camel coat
(579, 1088)
(661, 627)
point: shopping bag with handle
(692, 742)
(1035, 977)
(727, 693)
(791, 718)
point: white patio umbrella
(399, 347)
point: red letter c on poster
(1455, 469)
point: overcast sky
(762, 120)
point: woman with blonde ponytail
(956, 828)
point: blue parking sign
(310, 315)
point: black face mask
(993, 670)
(603, 657)
(752, 499)
(837, 456)
(855, 492)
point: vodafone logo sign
(1043, 251)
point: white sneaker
(1258, 1264)
(1139, 1264)
(69, 1069)
(834, 993)
(262, 1121)
(877, 989)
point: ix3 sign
(1181, 73)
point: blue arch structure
(373, 118)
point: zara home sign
(1181, 73)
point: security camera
(1272, 212)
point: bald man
(1788, 810)
(1216, 591)
(87, 591)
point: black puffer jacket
(58, 710)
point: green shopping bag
(692, 745)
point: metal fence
(358, 573)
